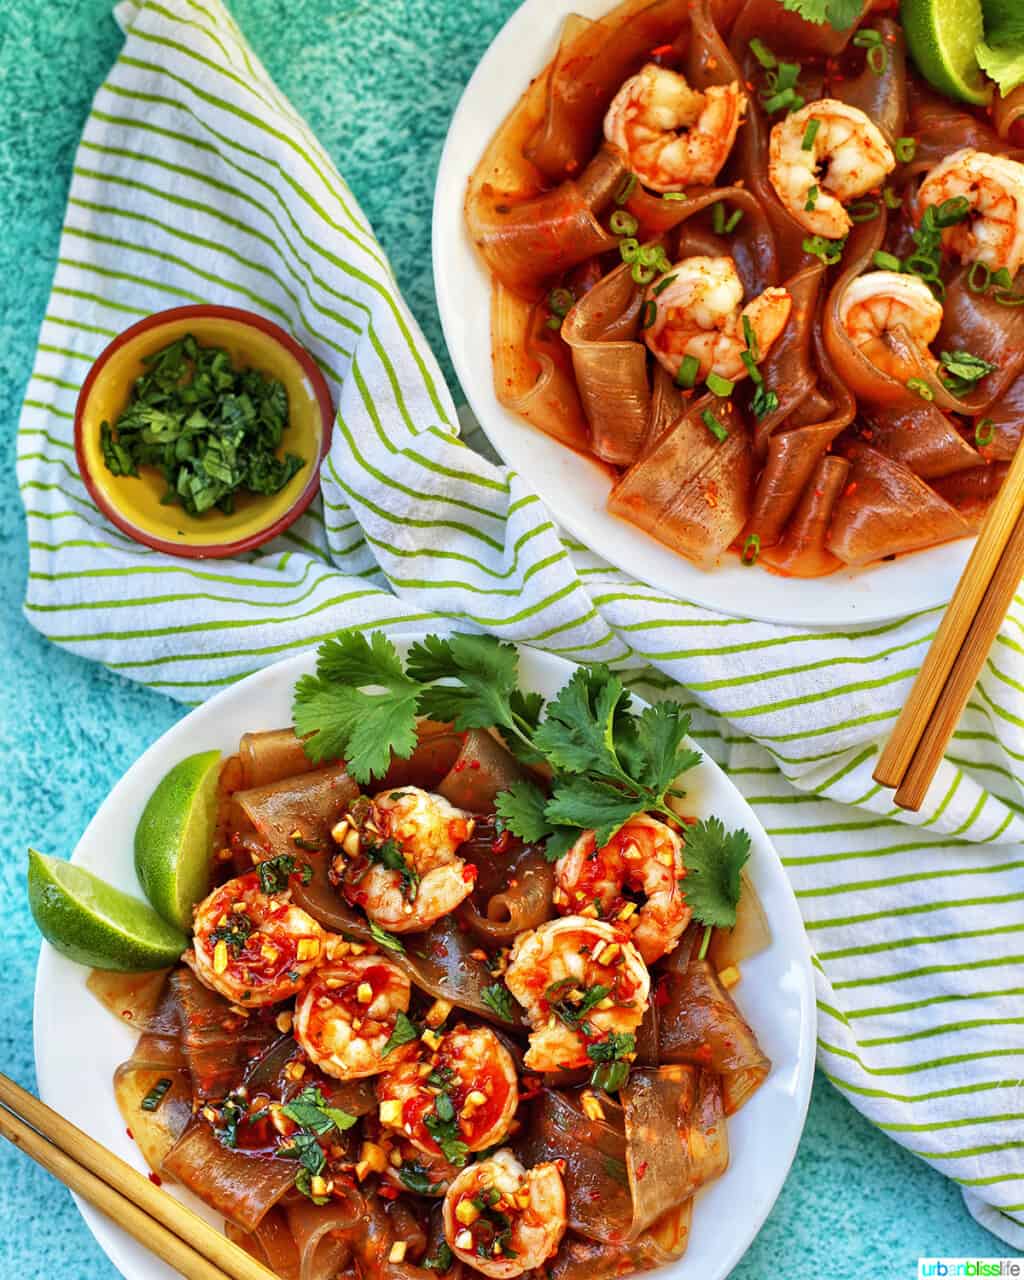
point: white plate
(78, 1043)
(574, 489)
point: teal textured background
(378, 83)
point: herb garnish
(962, 371)
(443, 1127)
(232, 1112)
(389, 854)
(607, 761)
(405, 1032)
(309, 1110)
(235, 931)
(498, 999)
(573, 1011)
(156, 1095)
(213, 430)
(840, 14)
(385, 939)
(416, 1178)
(274, 872)
(613, 1057)
(442, 1259)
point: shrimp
(644, 857)
(503, 1219)
(673, 136)
(346, 1016)
(993, 186)
(582, 983)
(399, 860)
(697, 313)
(822, 157)
(467, 1082)
(878, 302)
(253, 947)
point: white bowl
(575, 489)
(78, 1043)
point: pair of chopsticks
(175, 1234)
(962, 642)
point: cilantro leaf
(659, 745)
(714, 859)
(839, 13)
(353, 659)
(488, 675)
(274, 873)
(1004, 21)
(404, 1032)
(416, 1178)
(961, 371)
(572, 1012)
(385, 939)
(499, 1000)
(306, 1148)
(578, 734)
(443, 1127)
(304, 1183)
(612, 1057)
(521, 806)
(442, 1259)
(389, 854)
(585, 803)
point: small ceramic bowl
(132, 503)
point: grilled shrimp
(879, 302)
(347, 1014)
(253, 947)
(522, 1220)
(467, 1081)
(406, 873)
(673, 136)
(581, 982)
(644, 857)
(822, 157)
(698, 313)
(993, 231)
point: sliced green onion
(156, 1095)
(952, 211)
(718, 385)
(1007, 299)
(923, 265)
(829, 251)
(641, 273)
(650, 255)
(627, 188)
(661, 261)
(878, 58)
(560, 301)
(629, 249)
(984, 432)
(610, 1076)
(713, 425)
(751, 549)
(787, 75)
(905, 149)
(787, 98)
(764, 401)
(920, 388)
(662, 285)
(554, 322)
(751, 366)
(735, 218)
(718, 219)
(763, 54)
(686, 374)
(810, 204)
(863, 211)
(810, 133)
(892, 200)
(1003, 279)
(649, 314)
(750, 338)
(673, 195)
(979, 278)
(886, 261)
(867, 38)
(623, 223)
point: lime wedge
(942, 36)
(174, 836)
(92, 923)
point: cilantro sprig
(443, 1127)
(607, 761)
(840, 14)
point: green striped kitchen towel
(196, 181)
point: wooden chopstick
(176, 1234)
(984, 561)
(964, 673)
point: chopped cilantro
(443, 1127)
(498, 999)
(714, 859)
(389, 855)
(385, 939)
(405, 1031)
(310, 1111)
(235, 931)
(274, 872)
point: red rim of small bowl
(215, 550)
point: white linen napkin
(196, 181)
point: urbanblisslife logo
(951, 1268)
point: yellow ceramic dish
(133, 503)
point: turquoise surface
(378, 84)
